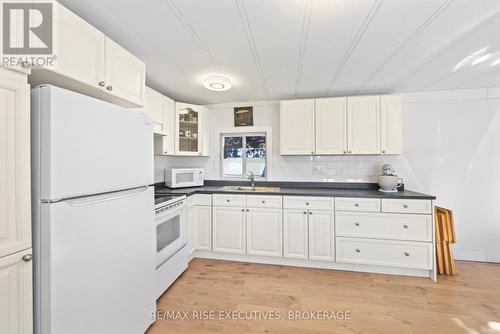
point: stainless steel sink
(248, 189)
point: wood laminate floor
(468, 303)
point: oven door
(171, 233)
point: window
(242, 154)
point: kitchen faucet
(251, 176)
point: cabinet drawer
(308, 202)
(415, 255)
(199, 199)
(384, 226)
(357, 204)
(229, 200)
(407, 206)
(259, 201)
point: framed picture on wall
(243, 116)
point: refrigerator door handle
(82, 201)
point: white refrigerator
(93, 215)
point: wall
(451, 142)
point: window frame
(244, 136)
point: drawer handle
(357, 224)
(405, 226)
(356, 204)
(405, 206)
(263, 202)
(358, 250)
(407, 254)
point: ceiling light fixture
(469, 58)
(218, 83)
(481, 59)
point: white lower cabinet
(321, 236)
(295, 237)
(204, 218)
(264, 232)
(192, 229)
(229, 229)
(16, 293)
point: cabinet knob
(383, 152)
(405, 226)
(310, 212)
(165, 152)
(228, 200)
(263, 202)
(312, 152)
(357, 224)
(407, 254)
(405, 206)
(27, 258)
(358, 250)
(345, 152)
(242, 210)
(102, 83)
(356, 204)
(307, 203)
(350, 151)
(305, 212)
(109, 88)
(248, 210)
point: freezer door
(86, 146)
(97, 269)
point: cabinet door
(331, 125)
(391, 124)
(321, 237)
(188, 129)
(297, 127)
(79, 48)
(16, 294)
(204, 218)
(206, 131)
(229, 235)
(295, 234)
(264, 232)
(15, 172)
(363, 125)
(192, 229)
(165, 143)
(155, 107)
(124, 74)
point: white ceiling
(280, 49)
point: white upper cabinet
(297, 127)
(363, 124)
(125, 74)
(79, 48)
(341, 125)
(15, 172)
(331, 130)
(391, 124)
(88, 62)
(155, 107)
(189, 124)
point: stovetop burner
(161, 199)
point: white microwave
(184, 177)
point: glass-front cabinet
(188, 129)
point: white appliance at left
(94, 233)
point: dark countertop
(302, 189)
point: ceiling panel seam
(251, 43)
(196, 38)
(364, 26)
(408, 41)
(443, 49)
(306, 21)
